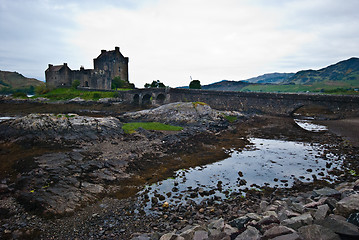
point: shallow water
(274, 163)
(6, 118)
(308, 125)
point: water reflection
(6, 118)
(274, 163)
(310, 126)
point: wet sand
(346, 128)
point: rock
(329, 192)
(347, 205)
(270, 213)
(322, 212)
(254, 216)
(339, 225)
(61, 128)
(291, 236)
(277, 231)
(317, 232)
(263, 206)
(297, 222)
(239, 222)
(229, 230)
(200, 235)
(250, 234)
(268, 220)
(217, 224)
(92, 188)
(180, 112)
(354, 218)
(77, 99)
(189, 233)
(4, 188)
(315, 204)
(169, 236)
(332, 203)
(298, 207)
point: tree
(155, 84)
(117, 82)
(75, 84)
(195, 84)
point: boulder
(291, 236)
(347, 205)
(317, 232)
(250, 234)
(239, 222)
(322, 212)
(179, 112)
(354, 218)
(328, 192)
(339, 225)
(277, 231)
(200, 235)
(297, 222)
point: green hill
(15, 82)
(341, 78)
(342, 73)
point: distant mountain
(269, 78)
(12, 81)
(274, 78)
(226, 85)
(344, 71)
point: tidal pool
(265, 162)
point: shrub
(19, 95)
(41, 89)
(75, 84)
(195, 84)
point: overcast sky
(171, 40)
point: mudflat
(346, 128)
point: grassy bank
(70, 93)
(131, 127)
(326, 87)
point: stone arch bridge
(281, 104)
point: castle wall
(58, 76)
(114, 62)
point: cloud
(171, 40)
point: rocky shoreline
(76, 178)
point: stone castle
(107, 65)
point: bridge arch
(160, 99)
(147, 99)
(136, 99)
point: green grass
(195, 104)
(131, 127)
(70, 93)
(327, 87)
(229, 118)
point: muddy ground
(119, 214)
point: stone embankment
(327, 214)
